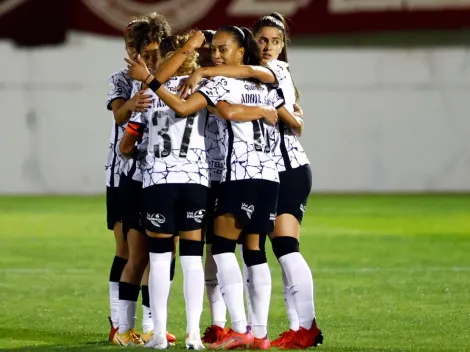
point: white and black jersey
(214, 147)
(287, 150)
(119, 87)
(134, 167)
(246, 144)
(176, 151)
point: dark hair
(278, 21)
(245, 39)
(128, 37)
(172, 43)
(152, 28)
(208, 35)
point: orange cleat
(170, 337)
(233, 340)
(213, 333)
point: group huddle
(204, 150)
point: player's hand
(298, 111)
(269, 113)
(298, 131)
(140, 102)
(195, 41)
(189, 86)
(137, 69)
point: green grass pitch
(392, 273)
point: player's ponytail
(251, 56)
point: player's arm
(181, 106)
(138, 69)
(294, 122)
(243, 113)
(261, 73)
(132, 134)
(122, 109)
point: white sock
(216, 301)
(114, 302)
(127, 311)
(290, 305)
(147, 322)
(159, 289)
(299, 278)
(193, 288)
(231, 286)
(246, 288)
(260, 296)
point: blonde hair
(171, 44)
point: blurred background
(384, 85)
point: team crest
(179, 13)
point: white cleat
(158, 342)
(193, 341)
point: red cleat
(213, 333)
(304, 339)
(283, 338)
(112, 332)
(233, 340)
(260, 344)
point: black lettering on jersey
(160, 104)
(258, 133)
(253, 87)
(251, 99)
(187, 135)
(159, 153)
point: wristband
(154, 85)
(145, 80)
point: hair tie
(240, 31)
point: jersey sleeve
(118, 88)
(215, 90)
(280, 71)
(276, 98)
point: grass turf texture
(392, 273)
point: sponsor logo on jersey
(249, 208)
(251, 99)
(156, 219)
(272, 216)
(198, 215)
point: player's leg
(131, 277)
(233, 212)
(147, 322)
(113, 203)
(216, 301)
(159, 222)
(192, 210)
(254, 255)
(249, 310)
(293, 194)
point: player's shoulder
(120, 75)
(279, 68)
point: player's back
(177, 148)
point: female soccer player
(122, 105)
(175, 187)
(295, 185)
(249, 184)
(147, 35)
